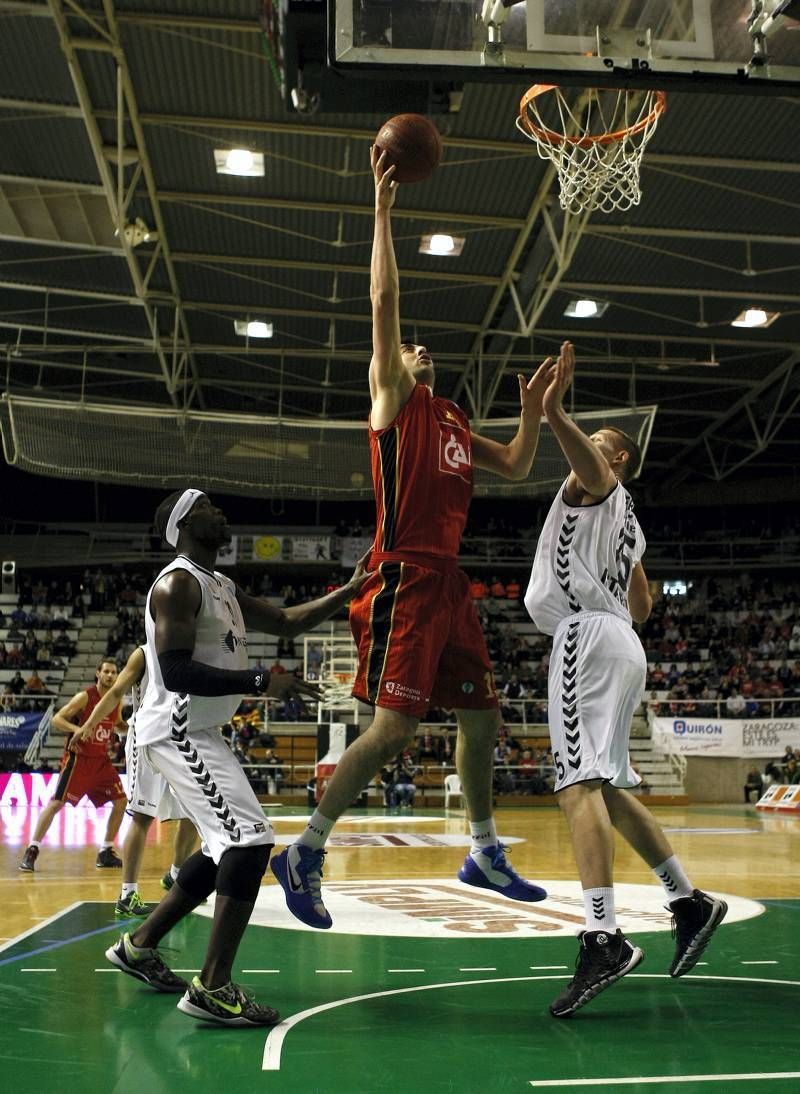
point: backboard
(690, 45)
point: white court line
(405, 970)
(759, 962)
(38, 970)
(261, 970)
(274, 1043)
(332, 970)
(667, 1079)
(186, 970)
(51, 919)
(535, 967)
(480, 968)
(108, 970)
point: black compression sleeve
(180, 673)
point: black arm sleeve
(180, 673)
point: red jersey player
(418, 637)
(85, 768)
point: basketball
(413, 144)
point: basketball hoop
(598, 157)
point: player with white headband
(196, 653)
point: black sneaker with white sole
(146, 965)
(229, 1005)
(602, 959)
(694, 920)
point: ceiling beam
(680, 290)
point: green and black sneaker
(167, 881)
(229, 1005)
(132, 906)
(144, 964)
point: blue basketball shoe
(299, 871)
(492, 871)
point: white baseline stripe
(405, 970)
(274, 1043)
(108, 970)
(261, 970)
(759, 962)
(667, 1079)
(479, 968)
(37, 970)
(534, 967)
(44, 923)
(332, 970)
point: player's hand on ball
(385, 186)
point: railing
(668, 748)
(34, 749)
(755, 708)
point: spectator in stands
(314, 659)
(34, 685)
(503, 778)
(273, 771)
(16, 684)
(447, 752)
(497, 588)
(427, 749)
(403, 791)
(735, 705)
(791, 773)
(276, 668)
(293, 709)
(3, 654)
(7, 698)
(512, 589)
(44, 655)
(478, 589)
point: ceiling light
(137, 233)
(441, 243)
(238, 161)
(585, 309)
(253, 328)
(755, 317)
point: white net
(598, 154)
(243, 454)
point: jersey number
(559, 765)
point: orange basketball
(413, 144)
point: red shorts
(419, 641)
(92, 776)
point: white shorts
(211, 788)
(148, 790)
(597, 679)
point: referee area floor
(423, 984)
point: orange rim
(549, 136)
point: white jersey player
(586, 586)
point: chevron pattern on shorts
(202, 776)
(569, 697)
(563, 549)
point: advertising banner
(753, 737)
(310, 548)
(229, 554)
(353, 547)
(17, 729)
(35, 788)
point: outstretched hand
(282, 685)
(385, 186)
(531, 392)
(552, 404)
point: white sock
(105, 846)
(317, 831)
(601, 915)
(35, 843)
(174, 871)
(672, 876)
(128, 887)
(484, 834)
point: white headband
(182, 506)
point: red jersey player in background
(418, 637)
(86, 768)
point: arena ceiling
(87, 313)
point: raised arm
(130, 675)
(591, 473)
(387, 374)
(515, 459)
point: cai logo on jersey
(454, 452)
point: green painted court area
(407, 1015)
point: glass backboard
(688, 44)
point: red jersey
(101, 735)
(422, 474)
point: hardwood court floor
(424, 984)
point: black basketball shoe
(694, 920)
(602, 959)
